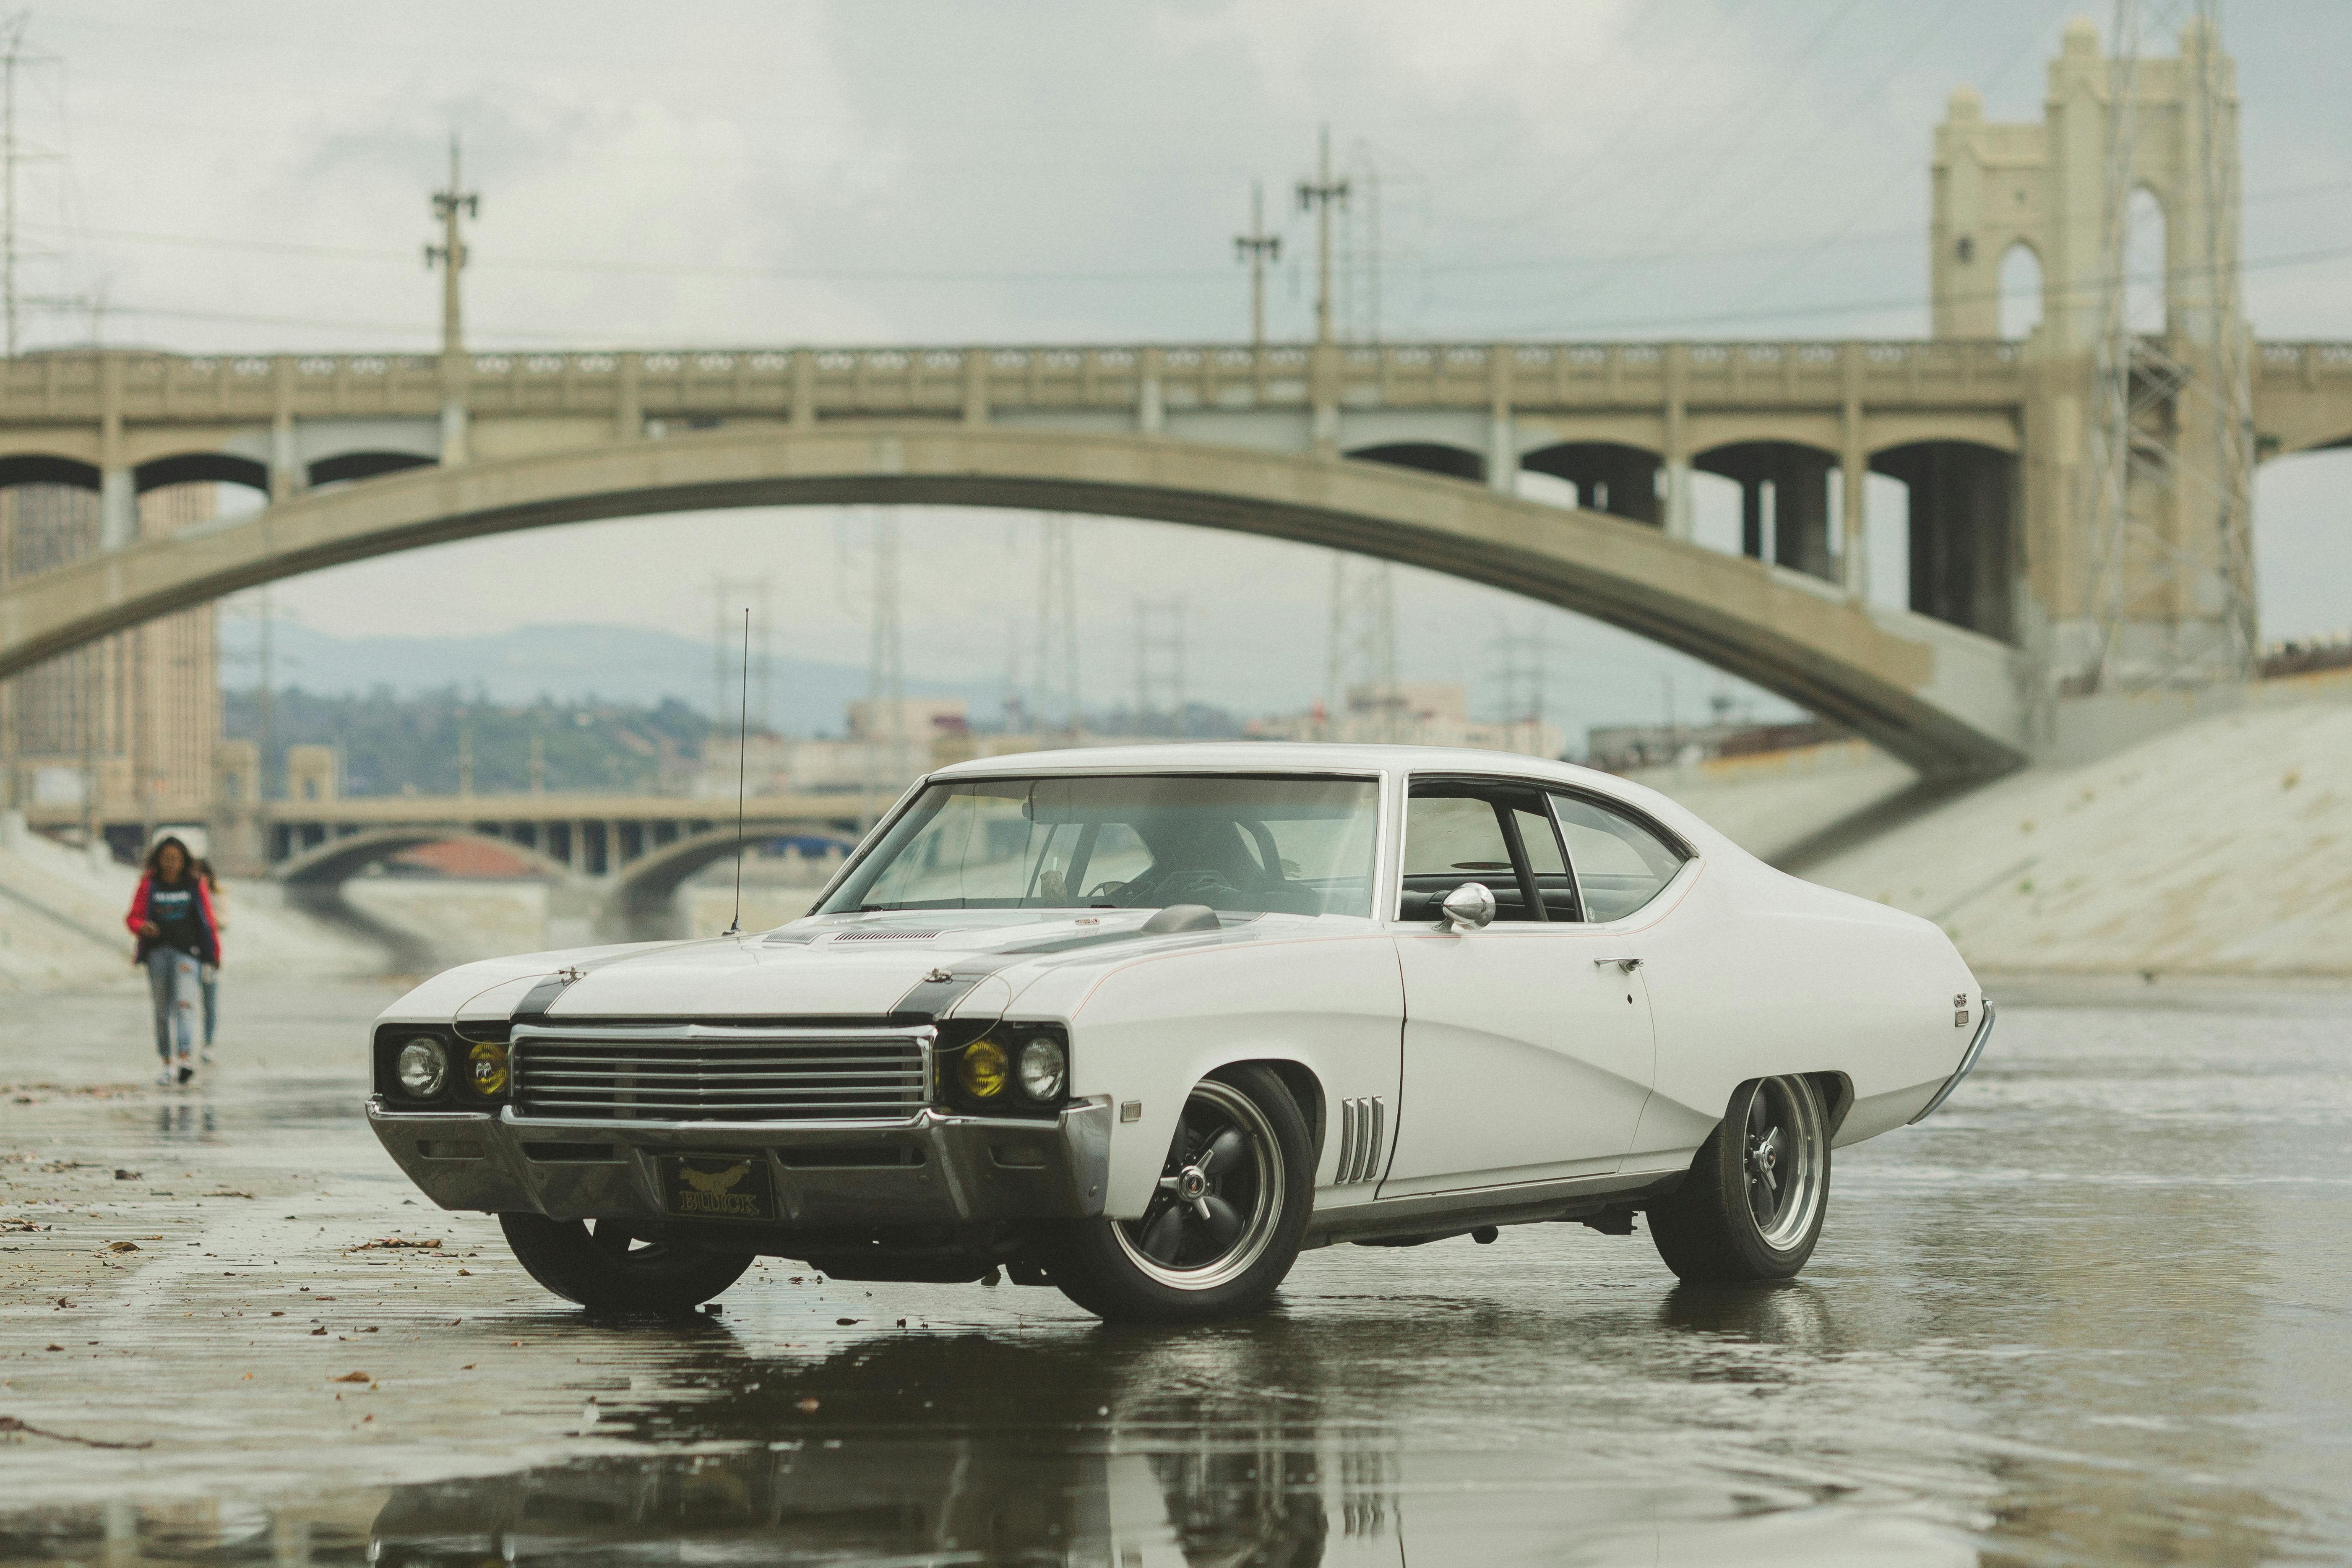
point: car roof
(1277, 757)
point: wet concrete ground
(2096, 1311)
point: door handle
(1626, 964)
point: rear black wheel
(1224, 1225)
(606, 1266)
(1751, 1208)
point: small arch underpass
(1428, 457)
(198, 468)
(344, 466)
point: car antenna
(742, 749)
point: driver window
(1450, 840)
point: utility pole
(1317, 195)
(1257, 248)
(12, 154)
(1523, 656)
(1362, 650)
(451, 252)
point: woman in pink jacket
(171, 916)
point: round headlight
(983, 1070)
(423, 1068)
(1042, 1065)
(488, 1062)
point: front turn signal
(486, 1066)
(983, 1069)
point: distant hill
(564, 664)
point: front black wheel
(1751, 1208)
(606, 1266)
(1224, 1223)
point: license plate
(718, 1187)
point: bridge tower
(2132, 570)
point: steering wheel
(1108, 889)
(1200, 880)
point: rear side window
(1620, 864)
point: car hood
(827, 967)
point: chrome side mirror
(1469, 907)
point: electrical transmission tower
(729, 597)
(1160, 664)
(1363, 654)
(2170, 467)
(1520, 660)
(1057, 668)
(13, 156)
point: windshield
(1296, 846)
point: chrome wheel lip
(1791, 1158)
(1258, 1226)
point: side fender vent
(1364, 1132)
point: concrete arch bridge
(614, 862)
(1413, 453)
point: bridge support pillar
(1502, 452)
(1853, 469)
(453, 434)
(118, 509)
(629, 406)
(1150, 402)
(1677, 455)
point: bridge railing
(965, 381)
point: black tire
(1184, 1261)
(605, 1267)
(1751, 1208)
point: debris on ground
(10, 1425)
(430, 1242)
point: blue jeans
(171, 982)
(209, 978)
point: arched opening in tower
(1607, 475)
(1963, 497)
(2020, 291)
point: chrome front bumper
(928, 1168)
(1976, 1049)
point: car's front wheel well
(1836, 1090)
(1305, 1093)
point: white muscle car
(1144, 1022)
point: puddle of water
(2094, 1312)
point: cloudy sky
(253, 176)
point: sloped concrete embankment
(2222, 848)
(61, 923)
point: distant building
(1626, 748)
(929, 732)
(123, 730)
(1414, 713)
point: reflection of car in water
(925, 1447)
(1144, 1024)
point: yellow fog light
(487, 1062)
(983, 1070)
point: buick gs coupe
(1145, 1022)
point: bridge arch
(1934, 695)
(1610, 476)
(363, 465)
(198, 468)
(46, 468)
(1963, 512)
(1784, 500)
(337, 860)
(1427, 456)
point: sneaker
(164, 1078)
(186, 1072)
(207, 1059)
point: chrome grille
(705, 1073)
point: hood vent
(887, 935)
(791, 939)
